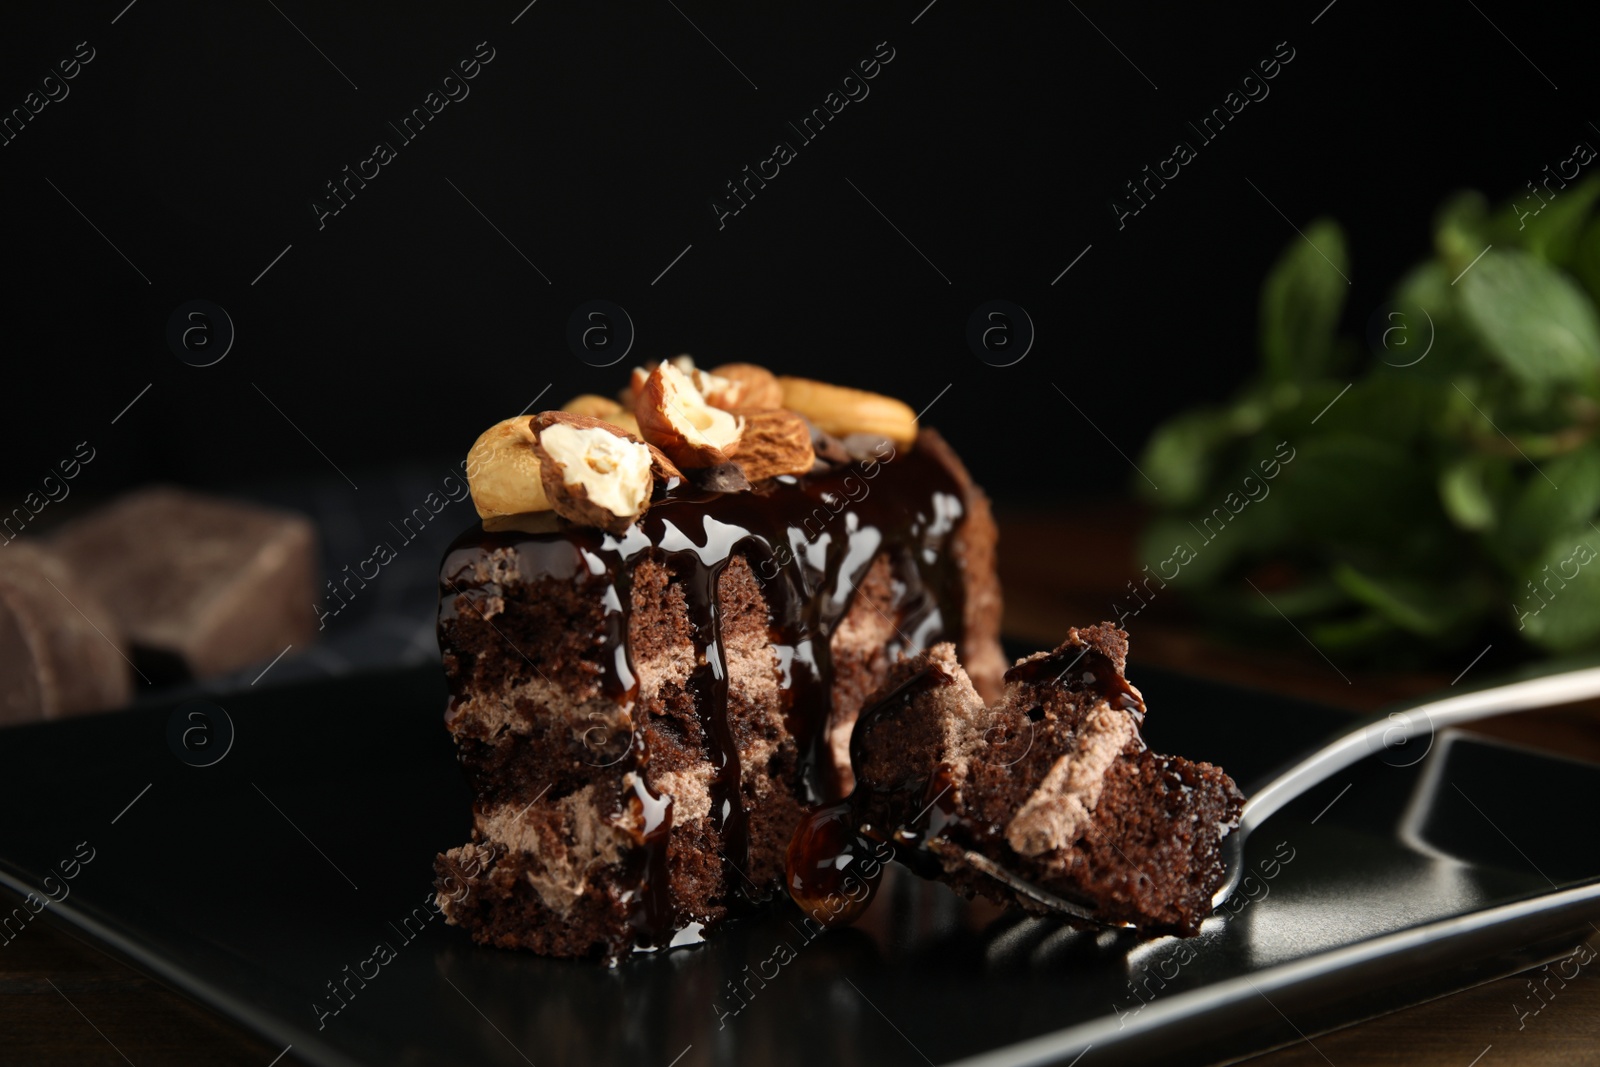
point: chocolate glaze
(810, 542)
(831, 868)
(653, 912)
(937, 809)
(1082, 669)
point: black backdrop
(588, 152)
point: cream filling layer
(1060, 808)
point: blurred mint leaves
(1445, 479)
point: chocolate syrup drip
(810, 542)
(709, 684)
(1081, 670)
(935, 798)
(653, 916)
(831, 868)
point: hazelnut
(593, 473)
(674, 416)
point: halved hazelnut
(774, 442)
(705, 381)
(593, 473)
(675, 417)
(636, 380)
(742, 387)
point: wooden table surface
(63, 1002)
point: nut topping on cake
(774, 442)
(717, 431)
(842, 411)
(705, 381)
(593, 472)
(674, 416)
(604, 409)
(503, 471)
(745, 387)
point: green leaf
(1181, 455)
(1178, 550)
(1564, 497)
(1557, 603)
(1245, 520)
(1394, 405)
(1168, 548)
(1257, 405)
(1314, 595)
(1536, 323)
(1301, 300)
(1428, 609)
(1586, 258)
(1548, 223)
(1464, 492)
(1364, 633)
(1353, 488)
(1464, 496)
(1430, 337)
(1460, 228)
(1249, 614)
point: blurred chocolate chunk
(828, 448)
(723, 478)
(60, 648)
(199, 585)
(867, 447)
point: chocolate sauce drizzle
(935, 804)
(1082, 669)
(810, 542)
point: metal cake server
(1544, 687)
(946, 849)
(1394, 727)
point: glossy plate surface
(256, 881)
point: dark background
(594, 141)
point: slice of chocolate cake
(1051, 783)
(648, 697)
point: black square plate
(298, 865)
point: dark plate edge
(1546, 916)
(1562, 910)
(104, 935)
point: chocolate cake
(647, 701)
(1052, 783)
(659, 642)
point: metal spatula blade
(951, 851)
(1545, 687)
